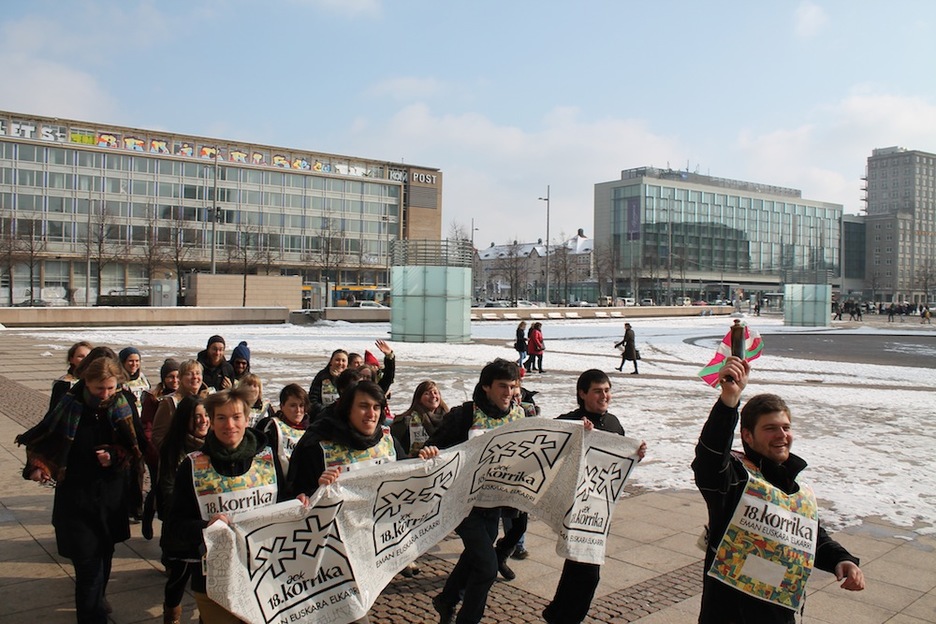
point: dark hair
(336, 352)
(499, 369)
(71, 353)
(759, 405)
(348, 378)
(225, 397)
(173, 445)
(95, 354)
(586, 380)
(367, 387)
(293, 390)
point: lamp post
(214, 216)
(546, 199)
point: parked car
(699, 302)
(585, 304)
(32, 303)
(497, 304)
(647, 301)
(627, 301)
(367, 304)
(523, 303)
(682, 301)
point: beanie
(127, 352)
(241, 352)
(215, 339)
(169, 366)
(370, 360)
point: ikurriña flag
(753, 345)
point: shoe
(620, 368)
(520, 553)
(635, 373)
(446, 612)
(504, 569)
(411, 570)
(546, 617)
(541, 371)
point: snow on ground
(870, 449)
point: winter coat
(535, 344)
(722, 479)
(630, 348)
(213, 376)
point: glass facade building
(80, 200)
(675, 233)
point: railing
(453, 253)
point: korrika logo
(600, 487)
(519, 459)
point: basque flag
(753, 345)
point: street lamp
(473, 230)
(214, 215)
(546, 199)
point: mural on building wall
(55, 132)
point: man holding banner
(476, 570)
(764, 535)
(578, 582)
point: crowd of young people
(204, 431)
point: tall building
(674, 233)
(901, 225)
(87, 204)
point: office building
(112, 207)
(901, 225)
(680, 234)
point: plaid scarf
(48, 443)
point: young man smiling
(491, 406)
(764, 534)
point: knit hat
(169, 366)
(370, 360)
(214, 339)
(241, 352)
(127, 352)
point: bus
(343, 296)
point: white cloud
(53, 89)
(826, 157)
(809, 19)
(495, 173)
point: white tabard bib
(769, 546)
(352, 459)
(481, 423)
(217, 493)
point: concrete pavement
(652, 574)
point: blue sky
(505, 97)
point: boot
(172, 615)
(502, 566)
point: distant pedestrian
(629, 352)
(520, 345)
(535, 348)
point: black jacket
(212, 375)
(722, 478)
(457, 423)
(603, 422)
(308, 459)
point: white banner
(328, 562)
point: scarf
(48, 443)
(217, 451)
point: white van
(628, 301)
(683, 301)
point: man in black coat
(762, 523)
(217, 372)
(491, 406)
(578, 582)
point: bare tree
(9, 251)
(101, 246)
(604, 261)
(926, 278)
(246, 251)
(30, 249)
(513, 266)
(153, 253)
(560, 265)
(182, 246)
(327, 254)
(458, 231)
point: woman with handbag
(628, 348)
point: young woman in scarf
(414, 426)
(84, 445)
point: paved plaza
(652, 573)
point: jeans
(522, 355)
(574, 593)
(90, 582)
(476, 570)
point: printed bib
(482, 423)
(353, 459)
(287, 440)
(770, 544)
(217, 493)
(329, 392)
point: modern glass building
(85, 204)
(680, 234)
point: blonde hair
(188, 366)
(251, 380)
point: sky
(858, 425)
(506, 98)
